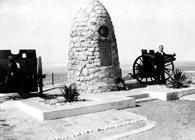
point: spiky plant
(120, 84)
(70, 93)
(178, 79)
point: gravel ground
(175, 120)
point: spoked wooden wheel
(169, 68)
(143, 69)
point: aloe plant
(179, 79)
(70, 93)
(120, 84)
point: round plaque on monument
(103, 31)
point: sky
(45, 25)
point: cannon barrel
(169, 58)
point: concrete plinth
(167, 94)
(95, 104)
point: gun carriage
(144, 67)
(29, 77)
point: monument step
(167, 94)
(139, 95)
(144, 99)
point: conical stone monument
(93, 62)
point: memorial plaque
(105, 54)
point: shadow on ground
(18, 96)
(135, 85)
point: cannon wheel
(140, 74)
(169, 68)
(39, 75)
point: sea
(60, 71)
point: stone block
(85, 72)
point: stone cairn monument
(93, 62)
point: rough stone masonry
(93, 62)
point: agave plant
(179, 79)
(70, 93)
(120, 84)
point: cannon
(144, 67)
(28, 77)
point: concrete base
(189, 97)
(163, 93)
(96, 103)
